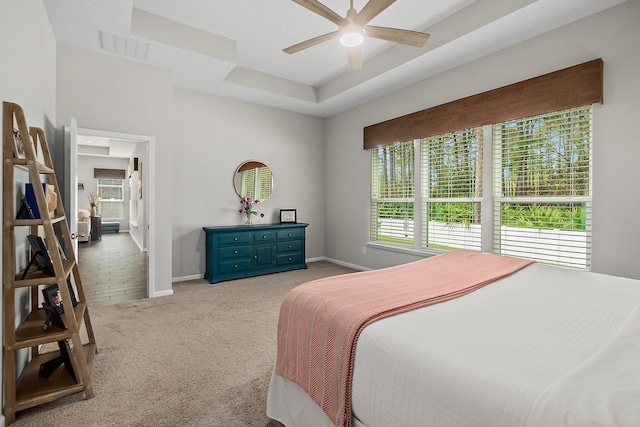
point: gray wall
(27, 77)
(200, 141)
(218, 134)
(613, 35)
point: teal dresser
(233, 252)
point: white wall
(86, 164)
(27, 77)
(613, 35)
(216, 135)
(106, 92)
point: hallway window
(111, 195)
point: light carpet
(201, 357)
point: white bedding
(493, 358)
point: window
(392, 191)
(542, 177)
(111, 196)
(538, 194)
(452, 176)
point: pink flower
(247, 207)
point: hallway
(113, 270)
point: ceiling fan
(353, 28)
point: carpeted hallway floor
(201, 357)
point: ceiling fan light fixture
(352, 37)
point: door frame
(148, 185)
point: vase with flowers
(93, 202)
(248, 208)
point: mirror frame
(245, 165)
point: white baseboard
(344, 264)
(162, 293)
(187, 278)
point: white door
(71, 180)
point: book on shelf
(30, 197)
(51, 198)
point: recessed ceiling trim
(269, 83)
(158, 28)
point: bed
(541, 346)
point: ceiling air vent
(124, 45)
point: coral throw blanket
(320, 321)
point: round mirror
(254, 180)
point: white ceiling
(234, 48)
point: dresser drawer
(292, 258)
(234, 252)
(231, 238)
(290, 233)
(264, 236)
(290, 246)
(225, 267)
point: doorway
(94, 147)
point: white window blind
(542, 188)
(133, 197)
(452, 182)
(111, 196)
(392, 193)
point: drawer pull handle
(235, 239)
(235, 252)
(235, 266)
(255, 257)
(264, 237)
(289, 234)
(289, 259)
(289, 246)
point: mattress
(504, 355)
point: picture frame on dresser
(288, 216)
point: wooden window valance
(109, 173)
(567, 88)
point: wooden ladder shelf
(72, 359)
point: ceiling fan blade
(354, 58)
(412, 38)
(311, 42)
(371, 10)
(322, 10)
